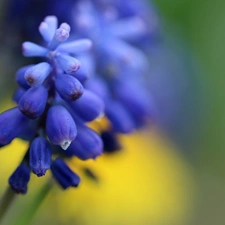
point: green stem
(30, 211)
(6, 201)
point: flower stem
(6, 201)
(30, 211)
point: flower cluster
(79, 81)
(53, 107)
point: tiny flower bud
(52, 23)
(20, 76)
(87, 145)
(33, 102)
(65, 26)
(64, 175)
(40, 156)
(45, 32)
(68, 87)
(36, 75)
(68, 63)
(60, 126)
(88, 107)
(20, 178)
(76, 47)
(31, 49)
(119, 117)
(60, 36)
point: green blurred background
(201, 23)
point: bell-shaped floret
(33, 102)
(20, 178)
(68, 87)
(60, 126)
(88, 107)
(87, 145)
(36, 75)
(40, 156)
(64, 175)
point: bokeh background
(172, 174)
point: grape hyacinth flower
(73, 86)
(46, 115)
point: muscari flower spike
(45, 115)
(54, 100)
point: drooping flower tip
(60, 126)
(85, 110)
(31, 49)
(40, 156)
(68, 87)
(64, 175)
(33, 102)
(87, 145)
(20, 178)
(36, 74)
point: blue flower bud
(20, 77)
(33, 102)
(65, 26)
(45, 32)
(64, 175)
(60, 36)
(120, 118)
(69, 64)
(12, 122)
(76, 47)
(18, 94)
(52, 23)
(110, 142)
(68, 87)
(31, 49)
(20, 178)
(36, 75)
(88, 107)
(60, 126)
(40, 156)
(81, 74)
(87, 145)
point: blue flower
(54, 100)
